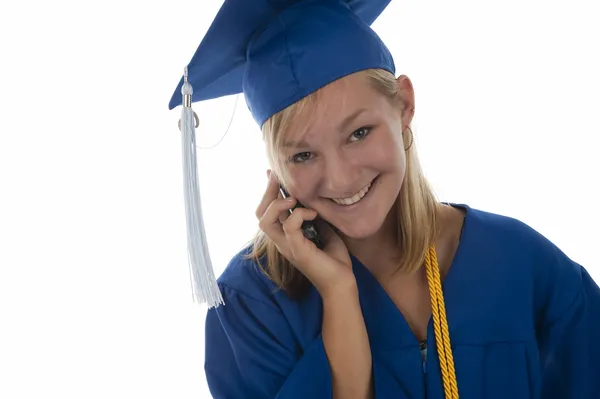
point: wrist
(343, 289)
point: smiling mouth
(356, 197)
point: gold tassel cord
(440, 325)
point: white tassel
(204, 283)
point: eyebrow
(292, 143)
(342, 127)
(350, 118)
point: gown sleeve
(251, 352)
(569, 337)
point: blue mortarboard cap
(278, 51)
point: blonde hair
(416, 206)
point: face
(346, 154)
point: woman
(516, 317)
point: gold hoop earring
(411, 138)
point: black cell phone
(308, 226)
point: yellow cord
(440, 325)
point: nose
(340, 175)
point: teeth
(355, 198)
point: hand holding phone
(320, 254)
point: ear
(406, 95)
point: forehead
(329, 107)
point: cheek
(387, 157)
(302, 185)
(386, 145)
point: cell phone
(309, 230)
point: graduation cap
(276, 52)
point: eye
(300, 157)
(360, 134)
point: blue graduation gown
(523, 320)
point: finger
(271, 193)
(269, 222)
(283, 215)
(293, 229)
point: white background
(95, 299)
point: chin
(365, 218)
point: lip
(366, 198)
(368, 184)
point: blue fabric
(277, 52)
(523, 321)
